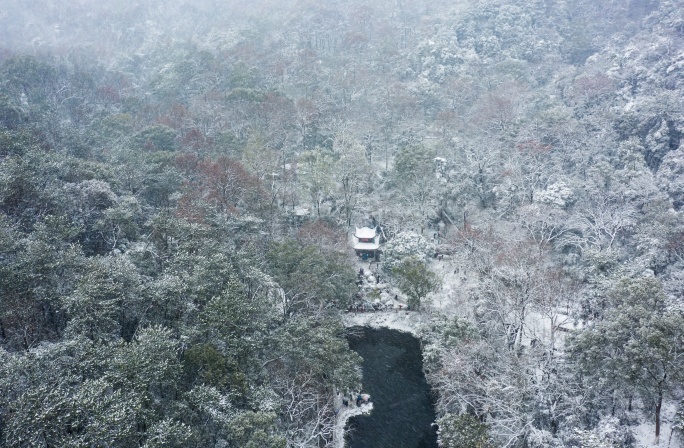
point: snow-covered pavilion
(367, 243)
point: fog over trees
(179, 181)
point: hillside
(179, 180)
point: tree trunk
(659, 405)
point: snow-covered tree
(415, 280)
(403, 245)
(638, 345)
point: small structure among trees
(367, 243)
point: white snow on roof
(366, 246)
(365, 232)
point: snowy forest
(180, 182)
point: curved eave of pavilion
(366, 246)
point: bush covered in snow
(404, 245)
(463, 431)
(609, 433)
(558, 194)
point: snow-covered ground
(406, 321)
(644, 432)
(457, 283)
(344, 413)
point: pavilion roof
(365, 232)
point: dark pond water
(403, 410)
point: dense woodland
(178, 181)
